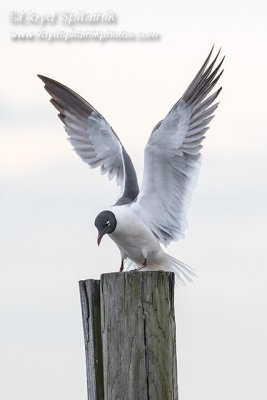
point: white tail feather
(182, 271)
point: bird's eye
(108, 223)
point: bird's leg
(122, 265)
(142, 266)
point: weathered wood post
(129, 330)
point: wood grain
(138, 336)
(90, 302)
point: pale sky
(49, 198)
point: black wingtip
(212, 48)
(49, 81)
(45, 79)
(62, 118)
(42, 77)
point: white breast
(134, 238)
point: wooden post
(90, 301)
(137, 335)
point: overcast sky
(49, 198)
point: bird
(144, 220)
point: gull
(141, 221)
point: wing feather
(172, 156)
(93, 139)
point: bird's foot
(142, 266)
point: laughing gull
(141, 220)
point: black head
(106, 223)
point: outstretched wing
(172, 157)
(93, 138)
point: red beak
(100, 235)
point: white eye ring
(108, 223)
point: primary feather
(172, 157)
(93, 138)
